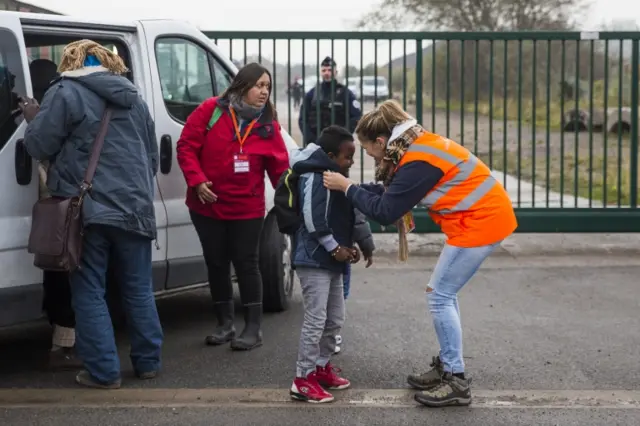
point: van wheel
(278, 276)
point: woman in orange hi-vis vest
(472, 208)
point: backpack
(217, 113)
(287, 203)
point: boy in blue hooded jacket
(324, 246)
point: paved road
(548, 341)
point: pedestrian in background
(226, 146)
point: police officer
(328, 103)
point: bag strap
(95, 152)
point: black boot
(251, 336)
(225, 331)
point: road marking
(382, 398)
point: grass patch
(604, 180)
(497, 111)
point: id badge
(409, 223)
(241, 163)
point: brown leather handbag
(56, 222)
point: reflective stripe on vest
(465, 170)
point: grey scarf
(244, 110)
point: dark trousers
(56, 302)
(231, 241)
(95, 340)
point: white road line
(382, 398)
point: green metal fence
(554, 114)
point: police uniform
(328, 99)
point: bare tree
(476, 15)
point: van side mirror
(23, 164)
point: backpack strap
(217, 113)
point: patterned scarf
(385, 170)
(243, 109)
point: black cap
(328, 62)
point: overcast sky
(283, 15)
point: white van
(175, 66)
(372, 88)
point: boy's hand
(342, 254)
(369, 258)
(356, 255)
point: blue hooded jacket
(63, 132)
(328, 216)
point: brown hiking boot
(451, 391)
(429, 379)
(64, 359)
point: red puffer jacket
(209, 156)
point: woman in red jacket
(227, 145)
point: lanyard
(241, 139)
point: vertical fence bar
(318, 88)
(375, 72)
(231, 49)
(619, 124)
(605, 126)
(404, 74)
(347, 108)
(361, 84)
(633, 189)
(476, 61)
(274, 89)
(462, 105)
(548, 128)
(519, 160)
(448, 87)
(505, 80)
(434, 48)
(390, 72)
(576, 152)
(304, 109)
(491, 71)
(562, 75)
(591, 55)
(289, 84)
(419, 64)
(534, 123)
(245, 51)
(333, 86)
(259, 50)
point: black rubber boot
(251, 336)
(225, 331)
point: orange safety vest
(469, 204)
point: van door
(21, 282)
(182, 76)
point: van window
(12, 84)
(185, 75)
(223, 78)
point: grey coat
(63, 133)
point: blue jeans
(454, 269)
(95, 342)
(346, 280)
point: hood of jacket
(115, 89)
(311, 159)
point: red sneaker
(309, 390)
(329, 378)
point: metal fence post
(419, 66)
(633, 188)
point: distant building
(21, 6)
